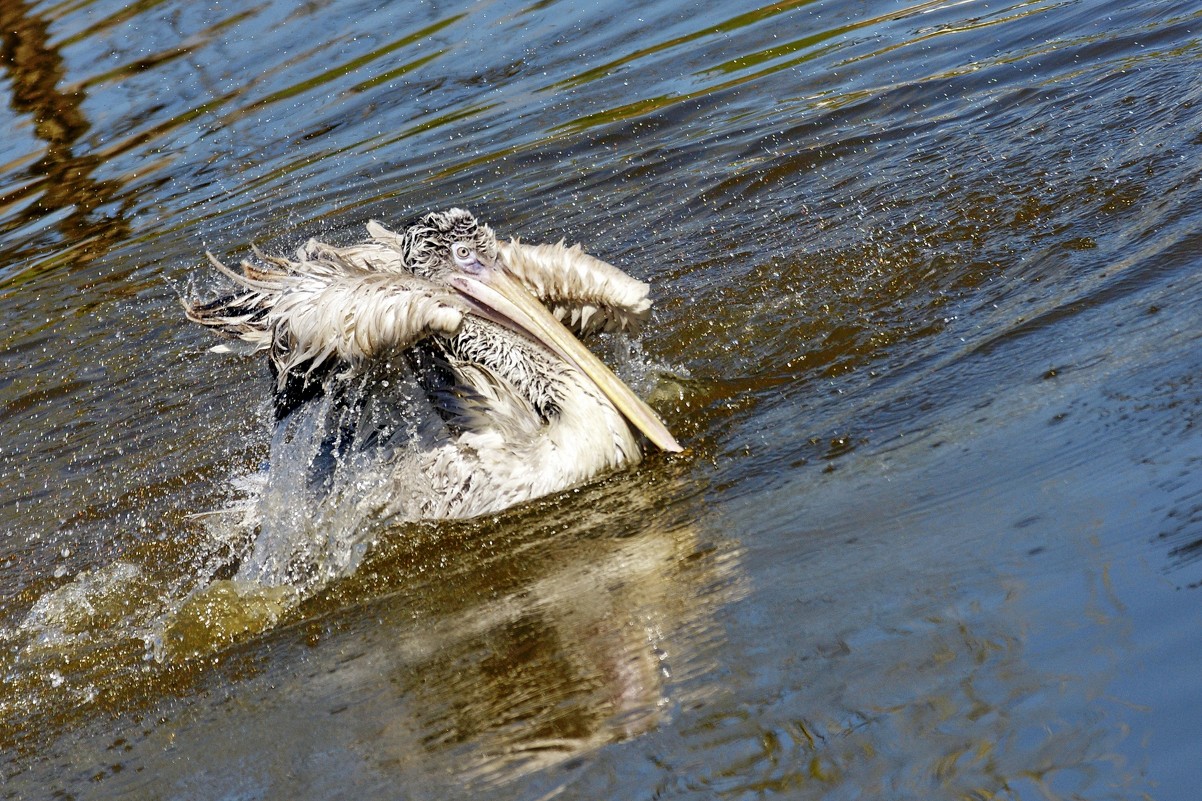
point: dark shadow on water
(61, 183)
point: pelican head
(443, 242)
(453, 249)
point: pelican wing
(583, 292)
(478, 400)
(328, 305)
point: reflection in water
(579, 653)
(60, 180)
(478, 652)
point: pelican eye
(466, 258)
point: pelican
(476, 328)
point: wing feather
(328, 304)
(584, 292)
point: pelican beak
(499, 297)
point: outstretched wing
(329, 306)
(585, 293)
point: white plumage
(522, 408)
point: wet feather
(520, 421)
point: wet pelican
(523, 409)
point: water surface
(926, 277)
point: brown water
(928, 287)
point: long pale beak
(505, 301)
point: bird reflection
(546, 637)
(579, 661)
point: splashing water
(330, 476)
(341, 470)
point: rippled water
(927, 280)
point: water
(926, 280)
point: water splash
(340, 472)
(82, 611)
(336, 475)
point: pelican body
(507, 404)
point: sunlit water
(927, 280)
